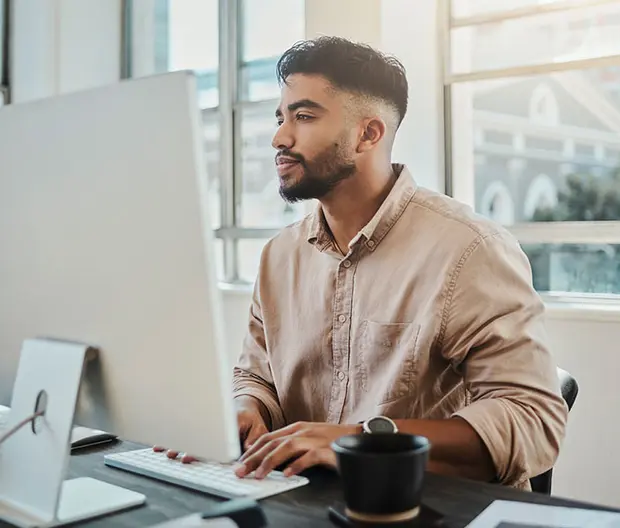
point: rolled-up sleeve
(252, 374)
(493, 332)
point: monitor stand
(33, 462)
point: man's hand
(252, 424)
(186, 459)
(252, 417)
(308, 443)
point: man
(389, 300)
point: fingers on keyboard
(170, 453)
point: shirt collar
(374, 231)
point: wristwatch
(379, 424)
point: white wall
(358, 20)
(236, 313)
(589, 467)
(409, 33)
(399, 28)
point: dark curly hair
(349, 66)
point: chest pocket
(387, 359)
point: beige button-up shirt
(431, 314)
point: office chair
(569, 388)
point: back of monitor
(105, 240)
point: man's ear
(373, 131)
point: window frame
(5, 42)
(520, 12)
(229, 111)
(532, 232)
(231, 105)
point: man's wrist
(252, 403)
(355, 429)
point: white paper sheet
(509, 514)
(196, 521)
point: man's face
(316, 146)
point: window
(169, 36)
(268, 27)
(544, 107)
(260, 204)
(541, 195)
(497, 203)
(463, 8)
(233, 46)
(553, 37)
(548, 167)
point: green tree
(585, 198)
(586, 268)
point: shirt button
(342, 318)
(371, 244)
(347, 263)
(340, 375)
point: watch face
(380, 425)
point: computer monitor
(105, 239)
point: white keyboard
(208, 477)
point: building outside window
(533, 112)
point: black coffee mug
(382, 475)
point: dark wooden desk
(461, 501)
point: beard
(320, 175)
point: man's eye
(303, 117)
(280, 121)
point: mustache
(288, 154)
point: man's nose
(283, 138)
